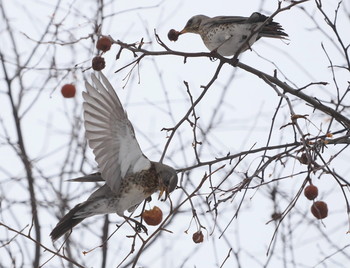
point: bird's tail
(94, 177)
(272, 29)
(68, 221)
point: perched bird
(130, 177)
(228, 35)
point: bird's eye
(190, 22)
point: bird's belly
(227, 41)
(132, 197)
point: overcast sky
(155, 97)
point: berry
(68, 91)
(173, 35)
(303, 159)
(104, 44)
(98, 63)
(311, 192)
(319, 209)
(276, 216)
(197, 237)
(153, 216)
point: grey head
(194, 23)
(168, 177)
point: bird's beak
(163, 189)
(183, 31)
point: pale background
(156, 99)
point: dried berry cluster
(104, 44)
(319, 208)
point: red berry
(68, 91)
(104, 44)
(197, 237)
(311, 192)
(173, 35)
(98, 63)
(153, 216)
(319, 209)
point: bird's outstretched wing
(110, 134)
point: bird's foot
(214, 55)
(138, 225)
(234, 61)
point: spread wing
(110, 134)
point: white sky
(242, 120)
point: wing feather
(226, 20)
(110, 134)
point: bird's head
(168, 179)
(193, 24)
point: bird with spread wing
(130, 177)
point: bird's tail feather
(273, 30)
(94, 177)
(68, 222)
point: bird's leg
(234, 61)
(138, 225)
(215, 54)
(148, 199)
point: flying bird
(130, 177)
(228, 35)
